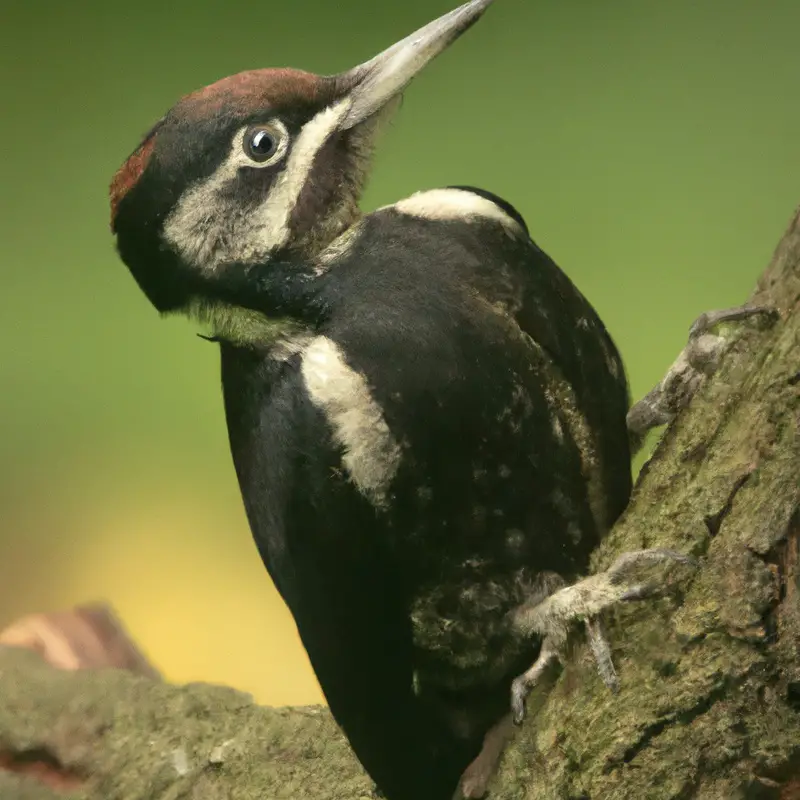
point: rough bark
(710, 699)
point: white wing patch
(371, 454)
(448, 204)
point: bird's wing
(512, 272)
(551, 310)
(324, 545)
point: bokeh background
(653, 148)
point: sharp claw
(519, 693)
(602, 653)
(521, 685)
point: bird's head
(264, 165)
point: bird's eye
(261, 143)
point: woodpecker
(427, 418)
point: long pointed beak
(372, 84)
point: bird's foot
(552, 618)
(475, 779)
(700, 357)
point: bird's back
(507, 399)
(477, 407)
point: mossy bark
(709, 705)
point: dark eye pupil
(261, 144)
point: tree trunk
(709, 705)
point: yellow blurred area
(652, 148)
(236, 631)
(184, 576)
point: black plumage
(461, 333)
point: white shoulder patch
(371, 454)
(456, 204)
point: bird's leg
(475, 779)
(552, 618)
(701, 356)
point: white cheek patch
(210, 226)
(371, 455)
(456, 204)
(198, 224)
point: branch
(115, 735)
(709, 704)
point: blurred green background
(652, 147)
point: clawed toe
(709, 319)
(653, 554)
(601, 650)
(523, 684)
(701, 356)
(585, 600)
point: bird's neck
(339, 219)
(261, 303)
(242, 326)
(258, 303)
